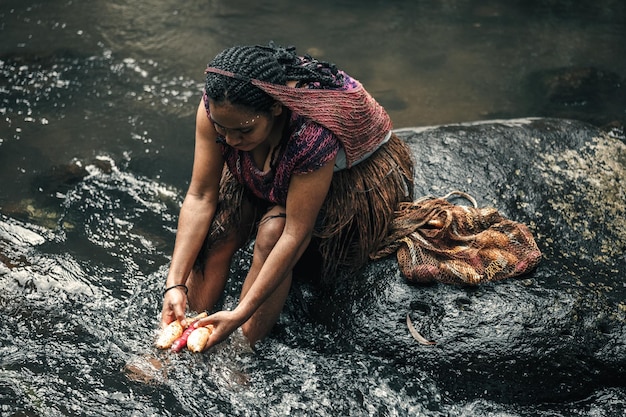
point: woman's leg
(207, 285)
(231, 228)
(270, 229)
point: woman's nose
(233, 138)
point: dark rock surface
(551, 343)
(554, 335)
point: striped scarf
(353, 115)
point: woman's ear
(276, 109)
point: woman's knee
(270, 229)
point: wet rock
(13, 262)
(29, 209)
(552, 340)
(60, 178)
(557, 334)
(53, 186)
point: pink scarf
(353, 115)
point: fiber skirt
(353, 222)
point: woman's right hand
(174, 306)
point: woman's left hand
(224, 322)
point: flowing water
(97, 104)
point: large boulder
(82, 283)
(556, 334)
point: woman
(296, 154)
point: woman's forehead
(226, 107)
(232, 116)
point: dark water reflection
(97, 100)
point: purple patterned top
(309, 147)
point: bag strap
(461, 194)
(451, 195)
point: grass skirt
(354, 220)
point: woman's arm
(305, 197)
(196, 214)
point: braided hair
(273, 64)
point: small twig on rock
(421, 339)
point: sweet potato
(198, 338)
(181, 342)
(174, 331)
(169, 334)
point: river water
(97, 104)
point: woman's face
(242, 128)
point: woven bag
(436, 240)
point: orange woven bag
(436, 240)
